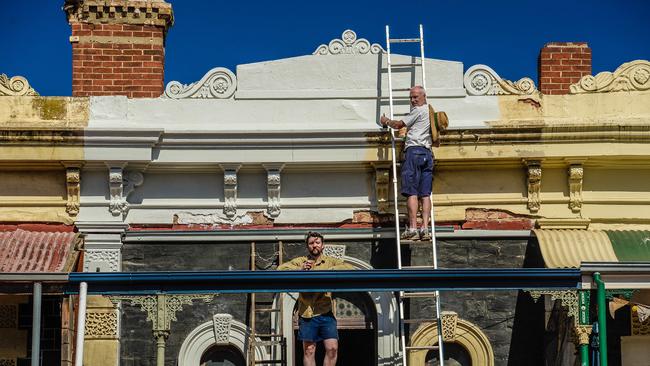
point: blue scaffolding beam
(137, 283)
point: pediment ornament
(348, 44)
(631, 76)
(16, 85)
(482, 80)
(218, 83)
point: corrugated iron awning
(37, 251)
(630, 245)
(568, 248)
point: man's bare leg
(412, 206)
(426, 211)
(331, 351)
(309, 353)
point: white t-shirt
(419, 128)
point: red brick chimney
(562, 64)
(118, 46)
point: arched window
(222, 356)
(455, 355)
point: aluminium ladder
(406, 295)
(274, 341)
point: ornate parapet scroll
(534, 182)
(349, 45)
(121, 185)
(482, 80)
(15, 86)
(631, 76)
(382, 186)
(218, 83)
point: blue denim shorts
(317, 328)
(417, 172)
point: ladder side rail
(397, 233)
(434, 246)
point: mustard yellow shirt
(311, 304)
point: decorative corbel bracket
(121, 184)
(576, 173)
(382, 186)
(534, 182)
(73, 185)
(230, 189)
(273, 181)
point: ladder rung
(415, 348)
(408, 242)
(406, 65)
(261, 362)
(266, 335)
(416, 321)
(400, 114)
(404, 40)
(267, 343)
(419, 294)
(402, 89)
(417, 267)
(267, 310)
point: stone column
(102, 253)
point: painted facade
(188, 180)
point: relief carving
(534, 180)
(449, 322)
(221, 324)
(101, 325)
(349, 45)
(382, 187)
(230, 190)
(106, 259)
(334, 250)
(273, 180)
(218, 83)
(582, 333)
(576, 173)
(630, 76)
(73, 181)
(121, 185)
(17, 85)
(482, 80)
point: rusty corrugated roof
(37, 251)
(564, 248)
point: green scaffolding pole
(602, 318)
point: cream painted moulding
(482, 80)
(630, 76)
(16, 85)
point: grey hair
(419, 88)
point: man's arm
(387, 122)
(341, 265)
(292, 265)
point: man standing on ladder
(417, 167)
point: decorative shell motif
(482, 80)
(348, 45)
(218, 83)
(631, 76)
(16, 85)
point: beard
(315, 252)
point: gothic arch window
(465, 339)
(216, 339)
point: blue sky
(503, 34)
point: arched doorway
(222, 356)
(357, 326)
